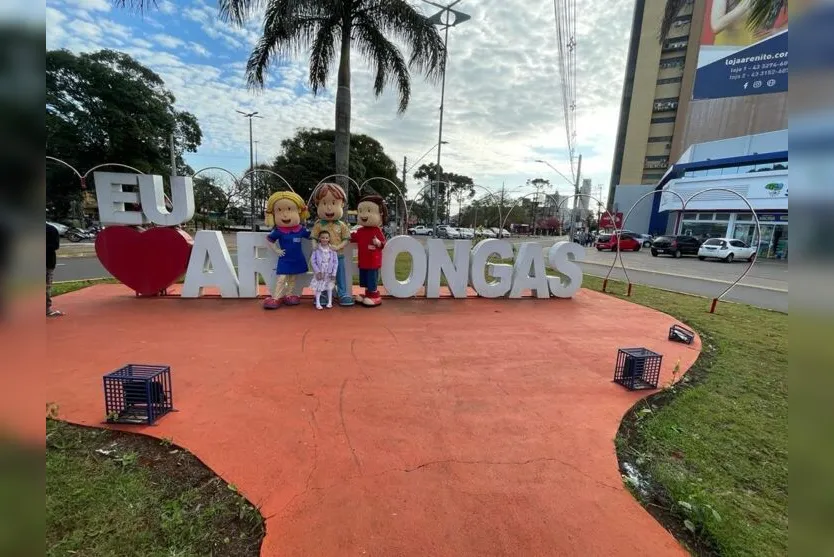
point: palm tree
(329, 28)
(762, 13)
(320, 26)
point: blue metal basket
(637, 368)
(138, 394)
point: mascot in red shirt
(372, 216)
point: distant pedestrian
(53, 242)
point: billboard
(736, 61)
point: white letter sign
(455, 272)
(410, 286)
(112, 197)
(502, 272)
(530, 254)
(152, 195)
(210, 265)
(563, 257)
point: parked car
(420, 230)
(608, 241)
(449, 232)
(726, 249)
(485, 233)
(645, 239)
(501, 232)
(61, 228)
(441, 230)
(675, 246)
(466, 233)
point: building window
(664, 105)
(657, 161)
(722, 216)
(690, 216)
(660, 139)
(675, 44)
(666, 80)
(676, 62)
(663, 119)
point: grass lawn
(111, 493)
(711, 453)
(714, 450)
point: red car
(627, 242)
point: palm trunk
(342, 142)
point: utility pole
(405, 192)
(446, 23)
(251, 115)
(173, 157)
(575, 198)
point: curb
(676, 275)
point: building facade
(660, 118)
(751, 169)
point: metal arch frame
(68, 165)
(411, 203)
(227, 171)
(399, 191)
(315, 189)
(617, 231)
(492, 195)
(111, 164)
(478, 200)
(758, 238)
(268, 171)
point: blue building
(753, 166)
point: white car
(62, 229)
(452, 233)
(501, 233)
(420, 230)
(466, 233)
(485, 233)
(726, 249)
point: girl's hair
(303, 213)
(383, 210)
(323, 232)
(333, 189)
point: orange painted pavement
(423, 427)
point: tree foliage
(308, 157)
(459, 186)
(107, 107)
(329, 30)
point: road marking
(676, 275)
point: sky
(503, 109)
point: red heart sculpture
(147, 261)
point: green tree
(458, 185)
(329, 29)
(308, 157)
(760, 14)
(107, 107)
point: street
(766, 286)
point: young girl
(285, 211)
(325, 263)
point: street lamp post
(445, 22)
(251, 115)
(575, 184)
(410, 168)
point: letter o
(410, 286)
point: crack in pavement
(344, 427)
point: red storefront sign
(605, 221)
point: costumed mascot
(285, 211)
(330, 200)
(372, 215)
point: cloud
(168, 41)
(199, 49)
(91, 5)
(503, 107)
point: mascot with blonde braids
(285, 211)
